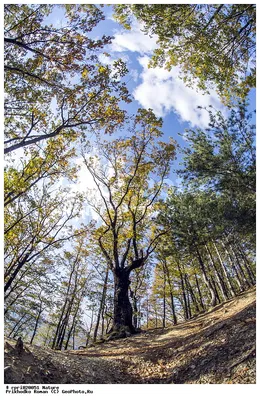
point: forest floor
(215, 347)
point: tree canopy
(213, 44)
(54, 82)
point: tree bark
(246, 263)
(135, 308)
(36, 323)
(229, 281)
(101, 307)
(190, 290)
(123, 313)
(186, 311)
(206, 280)
(246, 281)
(217, 275)
(171, 292)
(233, 267)
(199, 292)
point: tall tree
(129, 174)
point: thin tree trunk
(199, 292)
(164, 300)
(237, 278)
(147, 313)
(64, 325)
(247, 265)
(188, 304)
(216, 290)
(101, 307)
(36, 323)
(72, 328)
(171, 292)
(228, 280)
(186, 311)
(17, 323)
(217, 275)
(193, 297)
(47, 336)
(248, 284)
(73, 336)
(206, 279)
(90, 328)
(135, 308)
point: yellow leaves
(109, 111)
(102, 70)
(84, 73)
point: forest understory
(215, 347)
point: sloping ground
(216, 347)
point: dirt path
(217, 347)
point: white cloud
(164, 91)
(134, 40)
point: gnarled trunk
(123, 314)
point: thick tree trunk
(123, 314)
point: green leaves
(223, 159)
(213, 44)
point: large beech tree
(129, 175)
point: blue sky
(155, 88)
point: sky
(155, 88)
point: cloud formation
(134, 40)
(163, 90)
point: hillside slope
(216, 347)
